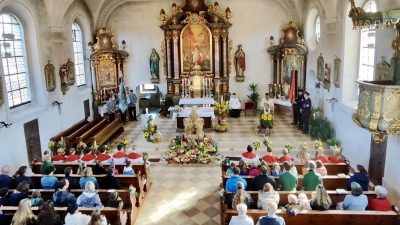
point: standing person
(306, 112)
(297, 119)
(110, 109)
(132, 106)
(267, 104)
(234, 106)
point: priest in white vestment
(234, 106)
(267, 104)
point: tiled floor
(189, 194)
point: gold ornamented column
(224, 35)
(175, 38)
(168, 40)
(216, 53)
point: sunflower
(146, 134)
(269, 117)
(264, 117)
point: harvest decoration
(221, 108)
(150, 129)
(267, 119)
(256, 144)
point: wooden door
(87, 108)
(32, 140)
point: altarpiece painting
(106, 74)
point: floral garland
(267, 142)
(221, 108)
(196, 151)
(267, 119)
(150, 129)
(256, 144)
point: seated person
(244, 168)
(128, 170)
(321, 168)
(109, 181)
(4, 200)
(361, 177)
(134, 157)
(269, 157)
(49, 181)
(292, 206)
(312, 179)
(267, 194)
(271, 217)
(72, 157)
(241, 218)
(234, 106)
(5, 179)
(321, 155)
(254, 171)
(87, 176)
(36, 199)
(259, 181)
(321, 199)
(232, 181)
(277, 170)
(229, 171)
(103, 157)
(337, 156)
(46, 163)
(89, 198)
(288, 180)
(114, 200)
(241, 197)
(120, 156)
(59, 158)
(302, 156)
(88, 157)
(285, 156)
(98, 169)
(304, 202)
(267, 104)
(73, 182)
(380, 203)
(249, 156)
(62, 197)
(19, 193)
(20, 176)
(74, 216)
(357, 201)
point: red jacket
(270, 158)
(379, 204)
(87, 158)
(72, 158)
(103, 157)
(323, 158)
(249, 155)
(285, 158)
(119, 155)
(333, 159)
(133, 155)
(58, 158)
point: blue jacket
(15, 198)
(357, 203)
(84, 180)
(231, 183)
(306, 107)
(5, 181)
(359, 178)
(49, 182)
(63, 198)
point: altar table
(282, 106)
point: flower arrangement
(256, 144)
(289, 147)
(145, 156)
(221, 108)
(195, 150)
(304, 145)
(150, 129)
(317, 144)
(222, 128)
(267, 119)
(51, 146)
(61, 144)
(82, 145)
(108, 148)
(267, 142)
(177, 109)
(95, 146)
(124, 142)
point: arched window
(318, 29)
(367, 47)
(78, 54)
(14, 61)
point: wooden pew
(108, 134)
(329, 217)
(71, 138)
(126, 180)
(332, 168)
(330, 182)
(120, 167)
(283, 196)
(114, 215)
(69, 130)
(92, 131)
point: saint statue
(327, 76)
(154, 65)
(240, 62)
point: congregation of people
(268, 197)
(15, 190)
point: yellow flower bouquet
(221, 108)
(267, 119)
(317, 144)
(150, 129)
(51, 146)
(267, 142)
(256, 144)
(124, 142)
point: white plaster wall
(137, 24)
(35, 19)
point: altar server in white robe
(267, 103)
(234, 106)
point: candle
(95, 143)
(147, 111)
(222, 98)
(62, 139)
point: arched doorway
(149, 97)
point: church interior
(62, 60)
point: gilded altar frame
(106, 72)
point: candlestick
(147, 111)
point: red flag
(292, 94)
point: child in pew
(293, 206)
(229, 171)
(114, 200)
(128, 170)
(4, 200)
(37, 199)
(277, 170)
(244, 168)
(304, 202)
(254, 171)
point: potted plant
(321, 128)
(255, 95)
(332, 142)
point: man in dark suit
(297, 120)
(260, 180)
(306, 112)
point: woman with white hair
(89, 198)
(357, 201)
(380, 203)
(242, 218)
(271, 218)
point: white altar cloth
(282, 102)
(202, 113)
(196, 101)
